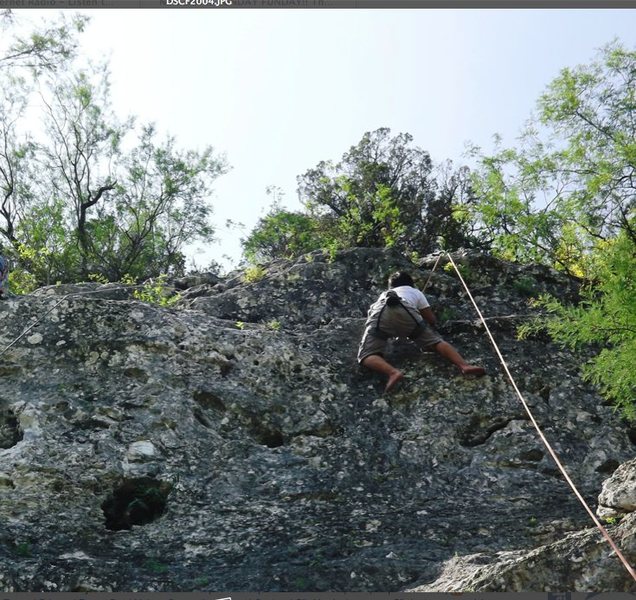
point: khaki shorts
(374, 344)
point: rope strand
(432, 271)
(553, 454)
(66, 297)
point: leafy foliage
(159, 206)
(93, 194)
(46, 47)
(274, 325)
(282, 234)
(571, 182)
(382, 193)
(253, 273)
(606, 317)
(567, 197)
(156, 291)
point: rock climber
(404, 311)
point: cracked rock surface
(232, 442)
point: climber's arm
(428, 316)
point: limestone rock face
(232, 443)
(618, 496)
(580, 561)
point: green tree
(127, 212)
(44, 254)
(567, 197)
(384, 192)
(91, 195)
(82, 148)
(572, 181)
(605, 317)
(48, 46)
(161, 205)
(282, 234)
(593, 107)
(510, 216)
(27, 52)
(15, 157)
(449, 213)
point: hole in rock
(608, 467)
(533, 455)
(135, 502)
(10, 431)
(270, 438)
(225, 368)
(135, 373)
(207, 399)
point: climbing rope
(37, 320)
(432, 271)
(41, 317)
(602, 529)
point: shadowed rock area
(232, 442)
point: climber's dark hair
(401, 278)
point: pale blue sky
(277, 91)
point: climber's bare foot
(472, 370)
(393, 380)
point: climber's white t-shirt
(412, 295)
